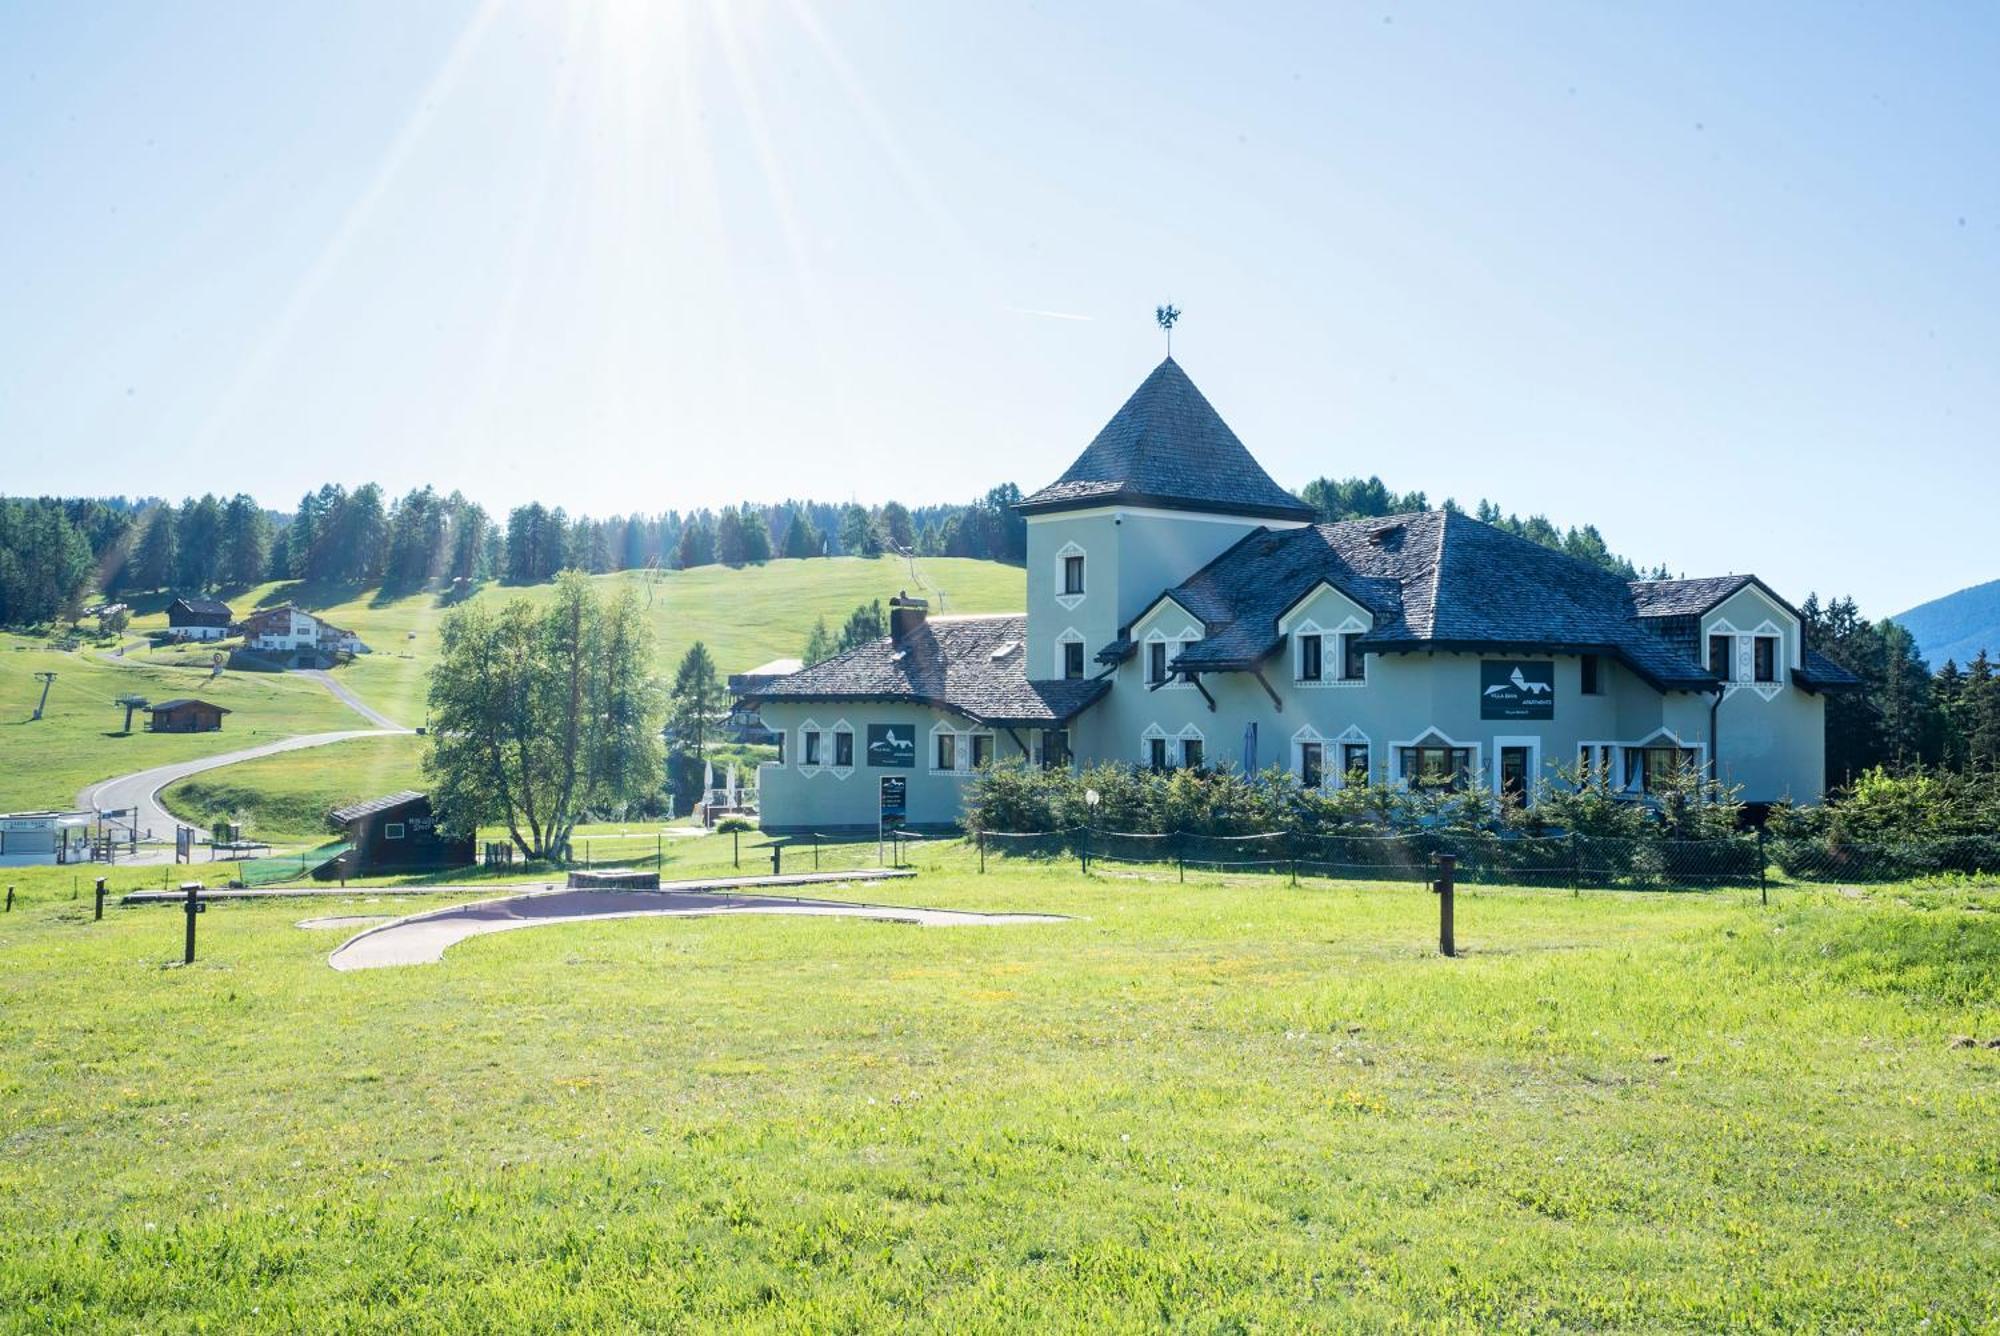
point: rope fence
(1570, 862)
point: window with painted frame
(1721, 657)
(1072, 659)
(1312, 658)
(1312, 764)
(1156, 662)
(1191, 753)
(1354, 760)
(1073, 574)
(1353, 659)
(809, 756)
(1648, 767)
(1764, 659)
(1435, 766)
(843, 749)
(1156, 753)
(947, 751)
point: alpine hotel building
(1184, 610)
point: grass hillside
(1957, 626)
(745, 616)
(1219, 1106)
(79, 740)
(284, 799)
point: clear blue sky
(1721, 279)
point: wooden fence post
(1447, 865)
(194, 906)
(100, 898)
(1763, 870)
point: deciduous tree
(540, 714)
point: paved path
(141, 791)
(349, 699)
(422, 939)
(784, 881)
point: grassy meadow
(284, 799)
(80, 739)
(746, 616)
(1227, 1105)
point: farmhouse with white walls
(1185, 610)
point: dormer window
(1073, 574)
(1352, 659)
(1311, 658)
(1764, 659)
(1156, 662)
(1720, 650)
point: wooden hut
(185, 715)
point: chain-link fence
(1572, 862)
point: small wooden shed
(396, 833)
(185, 715)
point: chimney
(906, 614)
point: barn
(185, 715)
(395, 833)
(199, 619)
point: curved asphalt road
(141, 791)
(350, 700)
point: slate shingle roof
(972, 666)
(387, 802)
(1819, 673)
(1684, 598)
(1168, 447)
(1432, 580)
(200, 607)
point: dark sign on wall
(892, 746)
(1509, 690)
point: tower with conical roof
(1161, 490)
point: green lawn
(79, 740)
(285, 798)
(1220, 1106)
(745, 616)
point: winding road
(140, 791)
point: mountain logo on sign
(1519, 683)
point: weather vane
(1166, 315)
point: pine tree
(246, 542)
(694, 704)
(159, 551)
(1981, 715)
(801, 539)
(697, 544)
(730, 548)
(819, 645)
(756, 536)
(864, 624)
(858, 536)
(894, 523)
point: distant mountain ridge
(1957, 626)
